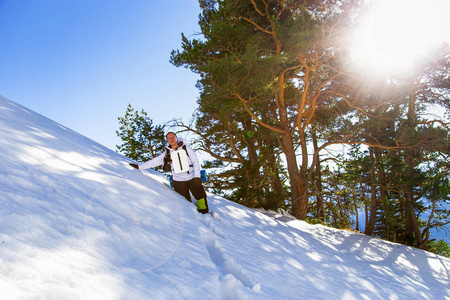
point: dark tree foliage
(408, 152)
(273, 62)
(280, 71)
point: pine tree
(408, 152)
(274, 61)
(141, 139)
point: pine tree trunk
(373, 197)
(356, 209)
(298, 183)
(386, 209)
(412, 225)
(274, 177)
(318, 180)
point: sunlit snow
(77, 222)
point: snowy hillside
(77, 222)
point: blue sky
(81, 62)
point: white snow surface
(77, 222)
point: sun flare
(396, 35)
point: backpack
(167, 161)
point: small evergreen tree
(141, 139)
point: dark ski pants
(194, 186)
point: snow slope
(77, 222)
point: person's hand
(197, 182)
(134, 166)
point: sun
(395, 35)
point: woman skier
(183, 162)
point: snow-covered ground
(77, 222)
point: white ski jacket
(194, 165)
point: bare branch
(257, 26)
(251, 113)
(435, 121)
(260, 12)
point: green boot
(202, 206)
